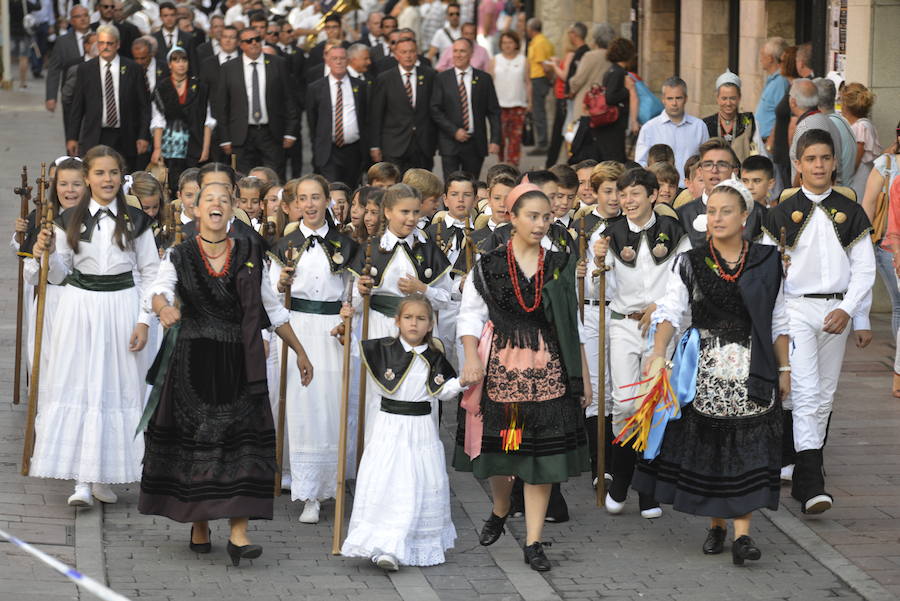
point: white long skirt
(314, 411)
(402, 502)
(90, 400)
(54, 293)
(380, 326)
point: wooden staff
(361, 410)
(341, 496)
(233, 161)
(176, 217)
(33, 389)
(470, 248)
(782, 246)
(24, 192)
(290, 257)
(582, 244)
(600, 274)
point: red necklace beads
(206, 258)
(538, 278)
(721, 272)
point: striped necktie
(464, 101)
(109, 92)
(409, 90)
(339, 116)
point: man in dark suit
(390, 61)
(371, 31)
(110, 105)
(383, 48)
(335, 108)
(143, 51)
(257, 117)
(463, 98)
(68, 51)
(170, 35)
(128, 33)
(401, 129)
(296, 60)
(211, 47)
(209, 71)
(334, 32)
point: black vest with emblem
(429, 261)
(339, 248)
(136, 222)
(388, 363)
(662, 237)
(848, 218)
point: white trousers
(592, 353)
(626, 353)
(816, 359)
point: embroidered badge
(628, 254)
(797, 216)
(660, 250)
(389, 375)
(439, 379)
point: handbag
(29, 21)
(528, 130)
(596, 108)
(882, 203)
(649, 106)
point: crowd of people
(191, 304)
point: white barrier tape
(102, 592)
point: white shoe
(386, 562)
(787, 473)
(310, 513)
(103, 493)
(818, 504)
(652, 513)
(613, 506)
(82, 496)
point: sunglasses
(253, 40)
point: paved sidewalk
(595, 555)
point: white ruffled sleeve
(450, 389)
(473, 311)
(275, 309)
(780, 323)
(674, 306)
(164, 284)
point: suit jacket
(377, 53)
(296, 62)
(86, 118)
(389, 62)
(395, 126)
(446, 111)
(320, 115)
(65, 54)
(231, 107)
(317, 54)
(203, 51)
(313, 72)
(127, 34)
(185, 40)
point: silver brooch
(428, 272)
(628, 254)
(439, 379)
(389, 375)
(338, 258)
(83, 228)
(373, 271)
(660, 250)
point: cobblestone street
(850, 552)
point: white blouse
(167, 278)
(102, 256)
(675, 305)
(313, 278)
(413, 389)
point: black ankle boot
(492, 529)
(744, 548)
(534, 556)
(715, 541)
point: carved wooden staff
(290, 260)
(582, 244)
(176, 217)
(782, 246)
(600, 274)
(47, 223)
(361, 410)
(470, 248)
(341, 496)
(24, 192)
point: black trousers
(112, 137)
(413, 158)
(467, 159)
(261, 148)
(344, 165)
(556, 133)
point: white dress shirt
(79, 41)
(632, 289)
(248, 84)
(115, 78)
(225, 57)
(683, 138)
(412, 81)
(174, 37)
(820, 265)
(151, 74)
(356, 74)
(102, 255)
(453, 249)
(467, 81)
(351, 126)
(590, 288)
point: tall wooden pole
(290, 256)
(24, 192)
(340, 498)
(601, 385)
(361, 410)
(582, 244)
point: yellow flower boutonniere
(122, 69)
(194, 88)
(419, 258)
(249, 264)
(474, 80)
(335, 243)
(556, 273)
(355, 90)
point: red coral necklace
(538, 278)
(206, 258)
(721, 272)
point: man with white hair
(804, 103)
(776, 85)
(847, 159)
(359, 61)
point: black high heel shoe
(246, 552)
(492, 529)
(744, 548)
(200, 547)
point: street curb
(795, 529)
(89, 557)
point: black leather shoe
(200, 547)
(246, 552)
(715, 541)
(534, 556)
(744, 548)
(492, 529)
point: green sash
(156, 376)
(386, 305)
(303, 305)
(100, 283)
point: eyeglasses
(719, 165)
(253, 40)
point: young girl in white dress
(401, 510)
(318, 288)
(403, 261)
(91, 403)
